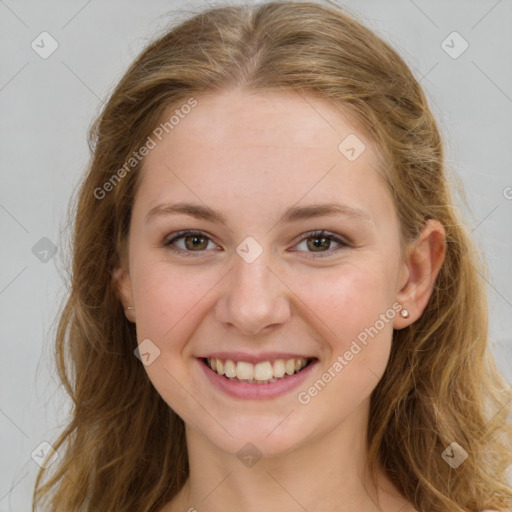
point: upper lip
(255, 358)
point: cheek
(348, 299)
(356, 345)
(335, 306)
(340, 301)
(171, 304)
(170, 301)
(354, 303)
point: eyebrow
(292, 214)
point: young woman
(274, 305)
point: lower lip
(256, 391)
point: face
(260, 277)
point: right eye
(193, 241)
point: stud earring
(129, 307)
(404, 313)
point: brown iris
(313, 245)
(196, 242)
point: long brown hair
(124, 448)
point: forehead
(273, 119)
(270, 147)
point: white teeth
(229, 369)
(261, 373)
(290, 366)
(244, 370)
(279, 370)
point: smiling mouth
(259, 373)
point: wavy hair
(124, 449)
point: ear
(424, 258)
(123, 287)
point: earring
(404, 313)
(129, 307)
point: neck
(327, 473)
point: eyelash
(312, 234)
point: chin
(256, 437)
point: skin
(251, 156)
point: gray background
(48, 104)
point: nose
(254, 299)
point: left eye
(197, 241)
(320, 239)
